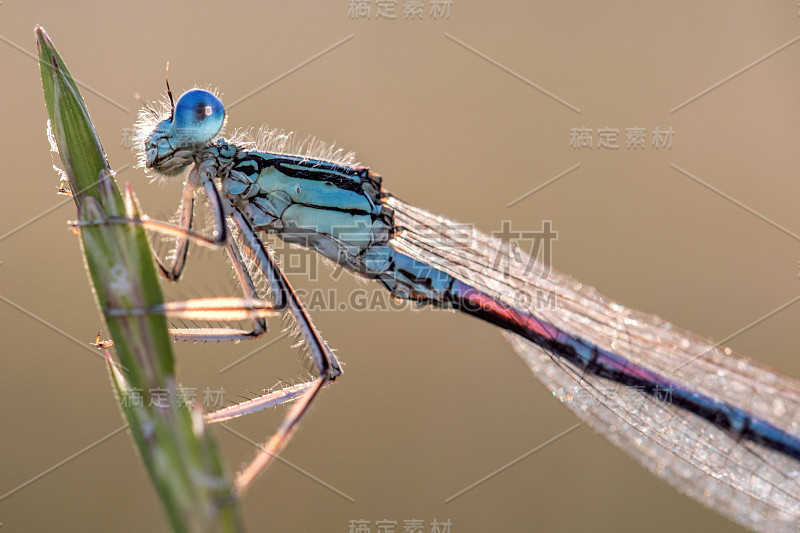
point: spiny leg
(272, 398)
(250, 292)
(279, 439)
(285, 296)
(327, 365)
(239, 267)
(221, 309)
(221, 232)
(185, 216)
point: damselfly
(715, 425)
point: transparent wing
(754, 486)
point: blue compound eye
(198, 116)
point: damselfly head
(168, 144)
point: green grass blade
(181, 457)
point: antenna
(169, 92)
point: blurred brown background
(430, 402)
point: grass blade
(181, 457)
